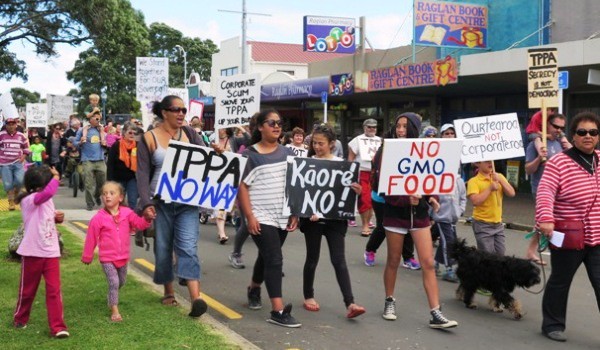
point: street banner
(450, 24)
(237, 99)
(321, 187)
(196, 110)
(199, 176)
(419, 166)
(8, 109)
(542, 77)
(329, 34)
(151, 78)
(60, 108)
(299, 152)
(36, 115)
(368, 146)
(490, 138)
(437, 73)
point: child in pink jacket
(110, 230)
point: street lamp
(184, 64)
(103, 96)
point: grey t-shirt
(554, 147)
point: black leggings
(378, 235)
(241, 234)
(335, 233)
(269, 262)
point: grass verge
(147, 324)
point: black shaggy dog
(497, 274)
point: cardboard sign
(196, 110)
(151, 78)
(59, 108)
(299, 152)
(368, 146)
(490, 137)
(237, 99)
(542, 77)
(320, 186)
(197, 175)
(419, 166)
(8, 109)
(36, 115)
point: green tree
(23, 96)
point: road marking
(80, 224)
(224, 310)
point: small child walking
(109, 230)
(37, 149)
(39, 249)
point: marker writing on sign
(184, 190)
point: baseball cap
(11, 120)
(370, 122)
(446, 127)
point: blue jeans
(177, 229)
(12, 176)
(131, 192)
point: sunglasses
(130, 133)
(273, 122)
(177, 110)
(558, 127)
(371, 127)
(591, 132)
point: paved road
(329, 329)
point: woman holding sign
(261, 198)
(410, 215)
(177, 225)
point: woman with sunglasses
(121, 164)
(567, 196)
(177, 225)
(261, 198)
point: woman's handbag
(574, 231)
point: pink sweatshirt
(112, 239)
(41, 237)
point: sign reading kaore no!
(542, 77)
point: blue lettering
(438, 170)
(175, 193)
(216, 194)
(406, 169)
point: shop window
(229, 71)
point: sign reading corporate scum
(321, 187)
(542, 77)
(237, 99)
(151, 78)
(453, 24)
(438, 73)
(199, 176)
(490, 138)
(329, 34)
(419, 166)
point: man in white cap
(362, 149)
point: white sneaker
(389, 310)
(62, 334)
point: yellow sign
(512, 172)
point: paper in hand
(557, 238)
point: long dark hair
(166, 102)
(35, 179)
(322, 129)
(260, 119)
(413, 126)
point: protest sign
(151, 78)
(199, 176)
(489, 138)
(37, 115)
(182, 93)
(237, 99)
(299, 152)
(59, 108)
(196, 110)
(8, 109)
(367, 147)
(542, 77)
(320, 186)
(419, 166)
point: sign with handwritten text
(419, 166)
(59, 108)
(321, 187)
(489, 138)
(151, 78)
(368, 146)
(196, 110)
(542, 77)
(299, 152)
(199, 176)
(237, 99)
(36, 115)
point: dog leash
(542, 246)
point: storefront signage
(450, 24)
(438, 73)
(299, 89)
(341, 85)
(329, 34)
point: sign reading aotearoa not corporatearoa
(237, 99)
(489, 138)
(368, 146)
(151, 78)
(199, 176)
(542, 77)
(321, 187)
(419, 166)
(299, 152)
(36, 115)
(59, 108)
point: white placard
(368, 146)
(8, 109)
(59, 108)
(489, 138)
(237, 99)
(36, 115)
(298, 152)
(196, 110)
(199, 176)
(419, 166)
(182, 93)
(542, 77)
(151, 78)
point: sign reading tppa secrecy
(542, 77)
(329, 34)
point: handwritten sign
(199, 176)
(151, 78)
(8, 109)
(419, 166)
(37, 115)
(181, 93)
(196, 110)
(367, 147)
(299, 152)
(322, 187)
(438, 73)
(451, 24)
(542, 77)
(59, 108)
(237, 99)
(490, 138)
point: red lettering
(433, 148)
(391, 183)
(429, 184)
(415, 180)
(413, 147)
(450, 183)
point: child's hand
(434, 204)
(55, 173)
(314, 217)
(356, 187)
(83, 140)
(292, 223)
(414, 200)
(59, 217)
(494, 186)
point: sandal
(116, 318)
(355, 310)
(538, 261)
(365, 233)
(223, 240)
(311, 307)
(169, 300)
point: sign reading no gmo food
(542, 77)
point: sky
(388, 24)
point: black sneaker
(254, 302)
(439, 321)
(199, 307)
(284, 318)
